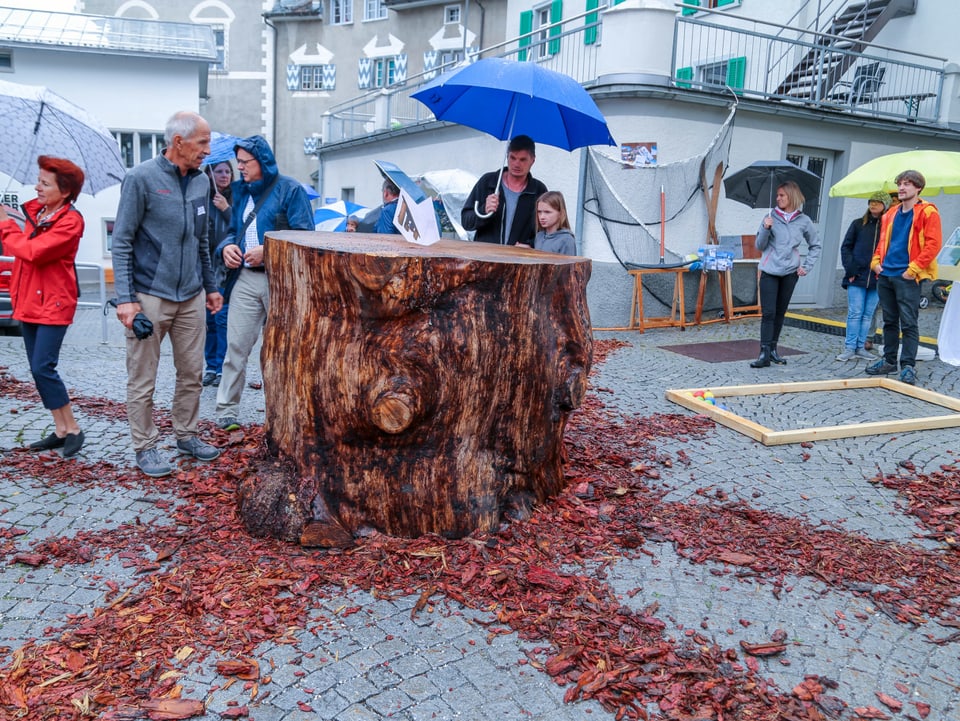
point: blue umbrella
(333, 217)
(221, 148)
(506, 98)
(310, 191)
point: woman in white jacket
(778, 239)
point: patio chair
(866, 84)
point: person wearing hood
(856, 252)
(263, 200)
(553, 225)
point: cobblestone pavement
(382, 663)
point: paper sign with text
(417, 222)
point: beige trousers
(186, 324)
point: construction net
(633, 201)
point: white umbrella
(333, 217)
(37, 121)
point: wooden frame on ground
(770, 437)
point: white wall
(122, 92)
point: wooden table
(677, 317)
(725, 278)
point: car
(8, 324)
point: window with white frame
(6, 61)
(311, 77)
(541, 21)
(713, 74)
(341, 12)
(220, 40)
(108, 224)
(449, 58)
(713, 4)
(136, 147)
(374, 10)
(451, 15)
(383, 72)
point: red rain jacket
(44, 287)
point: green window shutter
(684, 74)
(590, 34)
(736, 72)
(526, 26)
(721, 3)
(556, 15)
(691, 11)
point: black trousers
(775, 294)
(900, 304)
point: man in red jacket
(906, 255)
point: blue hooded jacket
(287, 206)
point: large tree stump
(414, 389)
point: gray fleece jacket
(160, 235)
(562, 241)
(780, 245)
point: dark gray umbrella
(756, 185)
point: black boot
(776, 357)
(763, 361)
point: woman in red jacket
(44, 287)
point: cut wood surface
(414, 389)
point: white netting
(626, 199)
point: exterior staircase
(817, 75)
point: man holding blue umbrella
(508, 198)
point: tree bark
(413, 389)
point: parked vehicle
(940, 290)
(8, 326)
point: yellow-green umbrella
(940, 168)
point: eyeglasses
(245, 161)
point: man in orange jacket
(906, 255)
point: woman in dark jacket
(44, 287)
(861, 284)
(221, 176)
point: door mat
(725, 351)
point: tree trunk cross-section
(413, 389)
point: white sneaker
(847, 355)
(865, 354)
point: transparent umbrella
(37, 121)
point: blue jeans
(43, 351)
(860, 306)
(215, 347)
(900, 304)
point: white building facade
(129, 76)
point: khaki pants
(185, 323)
(249, 303)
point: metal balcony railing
(569, 47)
(808, 68)
(715, 52)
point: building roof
(295, 9)
(407, 4)
(104, 34)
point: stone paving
(381, 663)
